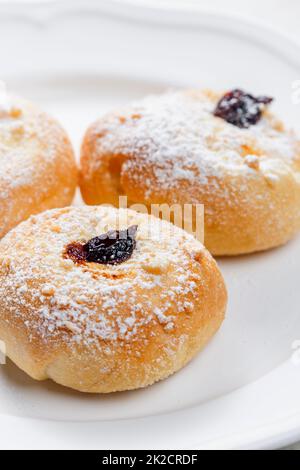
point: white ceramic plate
(78, 59)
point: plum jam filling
(241, 109)
(113, 247)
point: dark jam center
(113, 247)
(241, 109)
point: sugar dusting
(177, 135)
(21, 132)
(97, 302)
(30, 143)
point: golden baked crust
(37, 165)
(102, 328)
(172, 149)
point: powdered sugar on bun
(169, 293)
(178, 134)
(171, 148)
(37, 166)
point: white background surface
(281, 14)
(284, 14)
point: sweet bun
(229, 153)
(37, 165)
(99, 315)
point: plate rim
(269, 434)
(151, 12)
